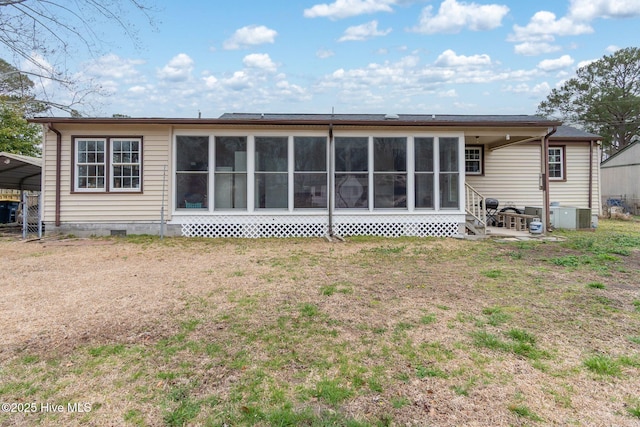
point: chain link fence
(28, 216)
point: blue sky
(354, 56)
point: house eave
(336, 121)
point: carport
(23, 173)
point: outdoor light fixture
(7, 161)
(508, 137)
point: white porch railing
(475, 205)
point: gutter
(590, 174)
(423, 122)
(58, 171)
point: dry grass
(305, 332)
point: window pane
(271, 190)
(310, 190)
(449, 190)
(90, 169)
(352, 154)
(448, 154)
(192, 153)
(424, 154)
(390, 191)
(310, 153)
(231, 191)
(424, 190)
(271, 154)
(390, 154)
(231, 153)
(191, 190)
(352, 190)
(473, 160)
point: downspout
(590, 174)
(545, 179)
(331, 191)
(58, 171)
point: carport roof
(19, 172)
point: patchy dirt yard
(371, 331)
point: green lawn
(370, 332)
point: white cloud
(612, 49)
(363, 32)
(240, 80)
(210, 81)
(543, 26)
(260, 61)
(251, 35)
(324, 53)
(449, 58)
(585, 62)
(451, 93)
(535, 91)
(534, 48)
(137, 90)
(114, 67)
(549, 65)
(178, 69)
(588, 10)
(454, 16)
(346, 8)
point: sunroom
(372, 177)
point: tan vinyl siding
(512, 175)
(574, 191)
(112, 207)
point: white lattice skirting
(317, 226)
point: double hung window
(556, 163)
(107, 164)
(473, 160)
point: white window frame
(107, 164)
(561, 153)
(113, 164)
(478, 151)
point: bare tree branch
(42, 35)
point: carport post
(25, 213)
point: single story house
(621, 178)
(262, 175)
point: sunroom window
(192, 171)
(310, 172)
(449, 177)
(352, 166)
(390, 172)
(231, 172)
(271, 177)
(424, 176)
